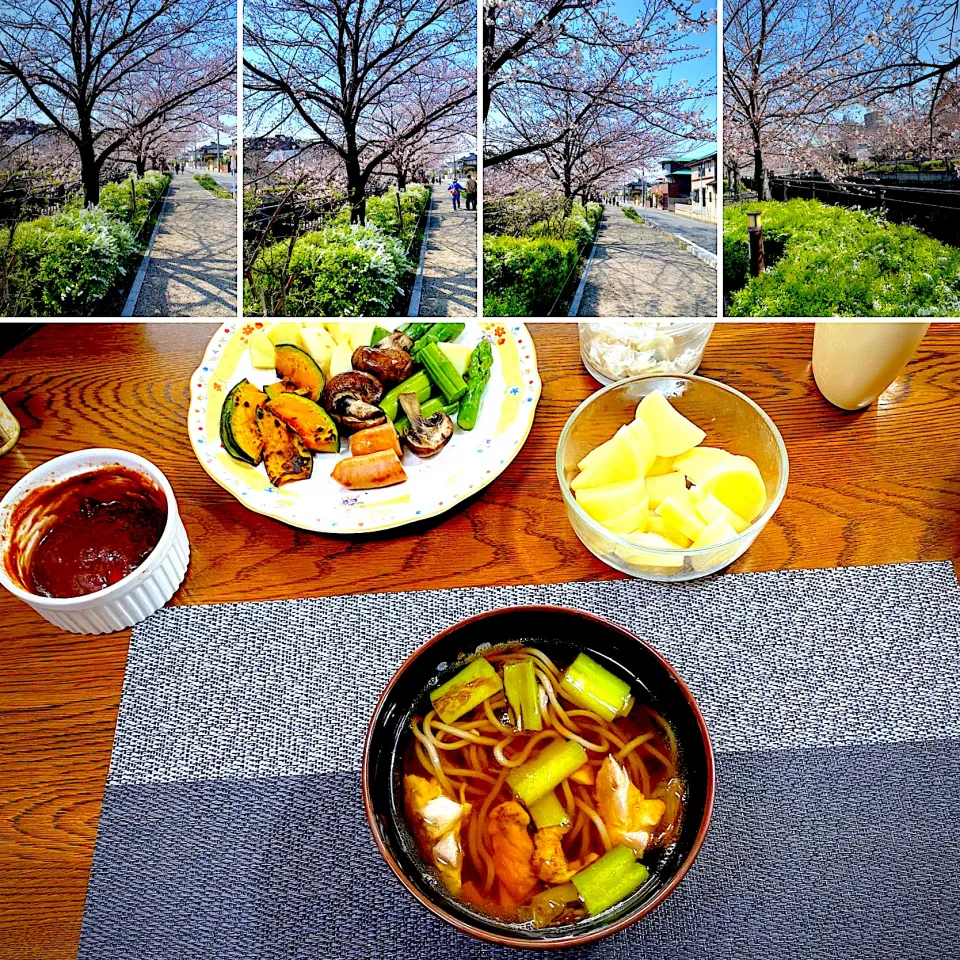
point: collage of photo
(452, 158)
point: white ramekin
(131, 599)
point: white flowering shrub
(66, 264)
(340, 271)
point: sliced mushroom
(351, 399)
(426, 436)
(395, 341)
(388, 366)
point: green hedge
(382, 211)
(523, 276)
(208, 183)
(67, 263)
(338, 271)
(834, 261)
(594, 214)
(131, 199)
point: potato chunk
(718, 531)
(605, 503)
(633, 521)
(620, 460)
(668, 485)
(672, 432)
(710, 509)
(696, 462)
(678, 514)
(261, 350)
(738, 485)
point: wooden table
(881, 486)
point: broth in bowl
(541, 787)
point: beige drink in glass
(9, 429)
(853, 363)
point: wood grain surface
(880, 486)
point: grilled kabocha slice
(285, 455)
(273, 390)
(240, 422)
(300, 369)
(306, 419)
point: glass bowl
(616, 349)
(731, 421)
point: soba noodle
(471, 757)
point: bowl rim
(86, 460)
(572, 940)
(751, 532)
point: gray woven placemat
(232, 823)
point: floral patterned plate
(467, 464)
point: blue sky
(693, 71)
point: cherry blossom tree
(593, 143)
(793, 70)
(173, 128)
(79, 63)
(538, 50)
(366, 78)
(411, 157)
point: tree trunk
(89, 174)
(141, 166)
(489, 36)
(356, 181)
(401, 178)
(356, 187)
(759, 173)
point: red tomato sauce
(86, 533)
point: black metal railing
(934, 211)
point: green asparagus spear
(447, 331)
(438, 333)
(478, 375)
(442, 372)
(419, 384)
(420, 344)
(415, 330)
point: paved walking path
(697, 231)
(192, 270)
(638, 271)
(450, 264)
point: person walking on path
(471, 188)
(449, 277)
(454, 191)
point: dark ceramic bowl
(561, 633)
